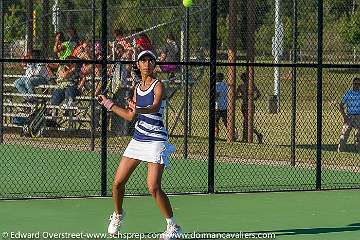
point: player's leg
(154, 176)
(155, 172)
(357, 133)
(224, 117)
(123, 172)
(217, 119)
(20, 84)
(244, 112)
(34, 82)
(258, 135)
(345, 133)
(125, 169)
(223, 114)
(58, 96)
(70, 94)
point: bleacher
(59, 118)
(78, 115)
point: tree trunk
(250, 55)
(29, 26)
(231, 107)
(46, 24)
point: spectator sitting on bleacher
(170, 53)
(62, 49)
(98, 51)
(73, 36)
(35, 74)
(142, 42)
(112, 68)
(67, 79)
(117, 50)
(82, 51)
(120, 39)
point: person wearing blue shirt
(350, 111)
(221, 102)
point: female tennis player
(149, 144)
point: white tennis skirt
(154, 151)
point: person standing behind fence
(242, 92)
(170, 53)
(149, 144)
(35, 74)
(351, 102)
(221, 102)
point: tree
(14, 19)
(340, 8)
(351, 31)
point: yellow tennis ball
(187, 3)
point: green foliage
(265, 34)
(351, 29)
(223, 32)
(339, 8)
(264, 39)
(287, 34)
(14, 22)
(132, 14)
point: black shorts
(221, 114)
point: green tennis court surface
(49, 172)
(329, 215)
(290, 215)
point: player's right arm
(126, 113)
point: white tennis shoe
(172, 232)
(115, 222)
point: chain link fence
(253, 94)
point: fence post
(1, 70)
(250, 58)
(186, 102)
(213, 43)
(293, 84)
(93, 22)
(319, 95)
(104, 118)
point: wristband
(108, 104)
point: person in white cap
(149, 144)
